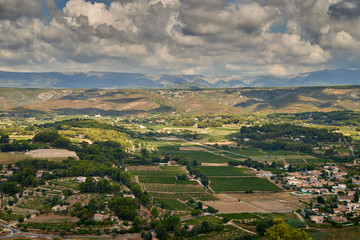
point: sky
(215, 37)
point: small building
(100, 217)
(129, 195)
(58, 208)
(39, 174)
(345, 198)
(340, 209)
(80, 179)
(317, 219)
(339, 219)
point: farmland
(173, 188)
(165, 180)
(224, 171)
(171, 204)
(166, 165)
(242, 184)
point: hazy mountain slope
(200, 101)
(111, 80)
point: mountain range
(113, 80)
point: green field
(238, 216)
(172, 168)
(199, 220)
(34, 203)
(172, 204)
(242, 184)
(185, 196)
(169, 188)
(6, 158)
(69, 183)
(165, 180)
(295, 161)
(156, 173)
(224, 171)
(317, 160)
(199, 156)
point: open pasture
(211, 171)
(223, 184)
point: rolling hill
(106, 102)
(113, 80)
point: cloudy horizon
(213, 37)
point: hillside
(22, 101)
(115, 80)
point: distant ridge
(113, 80)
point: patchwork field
(212, 171)
(223, 184)
(203, 156)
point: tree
(263, 225)
(20, 219)
(144, 200)
(147, 236)
(10, 188)
(320, 199)
(281, 231)
(154, 212)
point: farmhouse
(317, 219)
(80, 179)
(58, 208)
(339, 219)
(345, 198)
(100, 217)
(39, 173)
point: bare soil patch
(172, 138)
(230, 144)
(142, 168)
(227, 204)
(230, 207)
(51, 153)
(273, 201)
(214, 164)
(52, 218)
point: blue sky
(247, 37)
